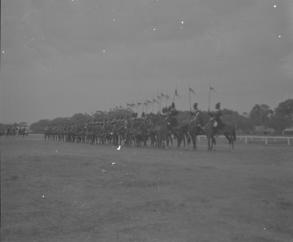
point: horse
(195, 129)
(229, 131)
(160, 132)
(177, 128)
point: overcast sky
(60, 57)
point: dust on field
(79, 192)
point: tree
(39, 127)
(283, 116)
(285, 109)
(260, 114)
(60, 122)
(81, 119)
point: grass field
(80, 192)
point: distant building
(262, 130)
(288, 131)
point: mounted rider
(216, 118)
(195, 117)
(171, 113)
(143, 115)
(172, 110)
(194, 113)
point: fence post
(288, 140)
(266, 140)
(245, 140)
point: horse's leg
(214, 140)
(170, 140)
(178, 141)
(188, 139)
(230, 140)
(144, 141)
(193, 141)
(183, 140)
(209, 142)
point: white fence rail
(258, 139)
(266, 139)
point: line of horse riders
(157, 130)
(14, 131)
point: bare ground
(79, 192)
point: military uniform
(218, 124)
(195, 112)
(171, 113)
